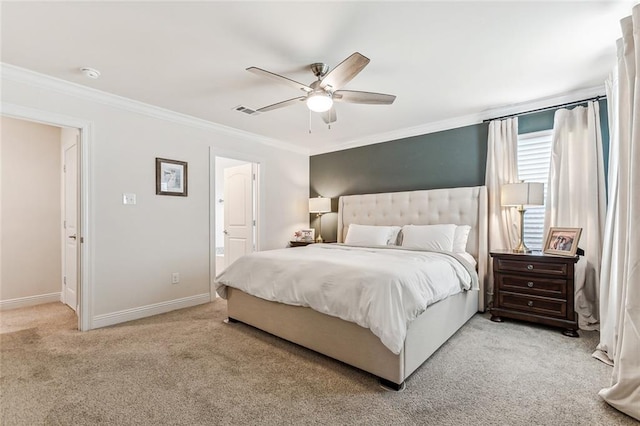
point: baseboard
(22, 302)
(149, 310)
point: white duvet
(379, 288)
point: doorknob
(72, 237)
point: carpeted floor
(187, 367)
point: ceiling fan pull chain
(309, 121)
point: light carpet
(187, 367)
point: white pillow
(393, 237)
(368, 235)
(429, 237)
(460, 238)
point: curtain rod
(595, 98)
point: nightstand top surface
(538, 254)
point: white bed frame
(355, 345)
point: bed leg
(387, 384)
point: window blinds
(534, 158)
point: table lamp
(319, 205)
(520, 195)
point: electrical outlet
(175, 278)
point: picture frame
(562, 241)
(308, 234)
(171, 177)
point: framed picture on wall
(171, 177)
(562, 241)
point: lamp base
(521, 250)
(319, 237)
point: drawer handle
(529, 267)
(529, 303)
(530, 284)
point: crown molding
(467, 120)
(32, 78)
(35, 79)
(422, 129)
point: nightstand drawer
(533, 304)
(532, 266)
(549, 287)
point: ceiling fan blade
(363, 97)
(329, 116)
(281, 79)
(282, 104)
(345, 71)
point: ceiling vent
(246, 110)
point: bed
(354, 344)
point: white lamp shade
(523, 194)
(319, 205)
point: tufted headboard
(462, 206)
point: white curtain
(502, 168)
(620, 286)
(576, 198)
(612, 262)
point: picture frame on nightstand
(562, 241)
(304, 235)
(308, 235)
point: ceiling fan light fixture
(319, 101)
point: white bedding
(379, 288)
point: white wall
(30, 261)
(134, 249)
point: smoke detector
(90, 72)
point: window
(534, 158)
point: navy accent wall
(446, 159)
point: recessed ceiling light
(90, 72)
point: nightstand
(534, 287)
(299, 243)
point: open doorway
(39, 210)
(83, 131)
(236, 210)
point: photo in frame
(562, 241)
(308, 235)
(171, 177)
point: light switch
(128, 198)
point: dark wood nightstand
(534, 287)
(299, 243)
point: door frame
(259, 200)
(85, 261)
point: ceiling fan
(322, 93)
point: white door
(238, 212)
(70, 280)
